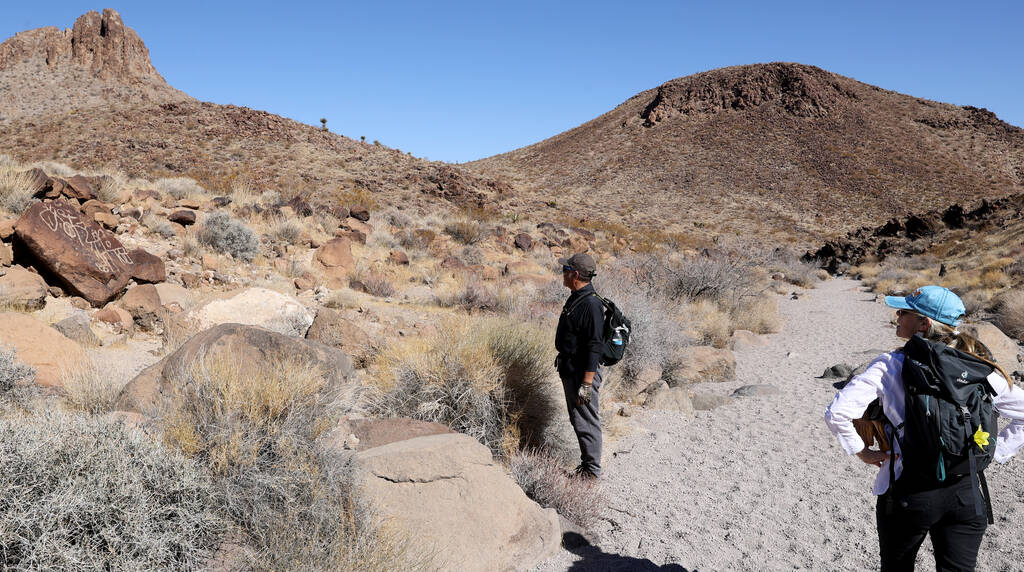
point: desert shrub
(710, 324)
(377, 284)
(553, 292)
(471, 255)
(288, 231)
(111, 188)
(55, 168)
(1010, 313)
(727, 278)
(179, 187)
(255, 427)
(16, 189)
(487, 379)
(159, 225)
(396, 218)
(466, 231)
(229, 236)
(92, 389)
(658, 334)
(341, 299)
(12, 370)
(7, 161)
(798, 272)
(515, 299)
(81, 493)
(382, 238)
(543, 479)
(190, 245)
(472, 296)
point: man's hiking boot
(583, 473)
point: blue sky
(458, 81)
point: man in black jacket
(579, 339)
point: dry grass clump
(159, 225)
(287, 231)
(255, 427)
(376, 284)
(543, 479)
(81, 493)
(488, 379)
(759, 315)
(1010, 313)
(16, 189)
(179, 187)
(91, 389)
(472, 296)
(466, 231)
(12, 370)
(229, 236)
(796, 271)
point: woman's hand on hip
(873, 457)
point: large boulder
(331, 328)
(251, 348)
(360, 434)
(447, 492)
(42, 347)
(88, 260)
(255, 307)
(20, 288)
(335, 260)
(1003, 348)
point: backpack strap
(982, 500)
(580, 300)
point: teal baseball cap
(935, 302)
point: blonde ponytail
(967, 343)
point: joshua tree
(323, 124)
(362, 138)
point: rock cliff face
(97, 62)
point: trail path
(761, 484)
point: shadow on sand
(593, 559)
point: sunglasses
(568, 269)
(905, 312)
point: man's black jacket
(580, 333)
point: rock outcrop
(448, 492)
(256, 307)
(41, 347)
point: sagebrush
(229, 236)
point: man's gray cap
(582, 262)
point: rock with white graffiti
(83, 257)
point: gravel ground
(760, 483)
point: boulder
(371, 432)
(143, 303)
(359, 212)
(698, 364)
(42, 347)
(399, 258)
(255, 307)
(250, 347)
(174, 294)
(448, 493)
(87, 259)
(6, 254)
(671, 399)
(76, 327)
(523, 241)
(7, 228)
(116, 316)
(147, 267)
(90, 208)
(331, 328)
(335, 260)
(756, 390)
(107, 220)
(184, 217)
(357, 225)
(78, 187)
(20, 288)
(1003, 348)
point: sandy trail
(761, 484)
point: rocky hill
(781, 149)
(107, 108)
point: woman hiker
(940, 395)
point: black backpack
(948, 406)
(617, 331)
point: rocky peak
(801, 90)
(99, 43)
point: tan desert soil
(761, 484)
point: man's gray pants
(585, 421)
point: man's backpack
(618, 331)
(950, 423)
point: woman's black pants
(948, 514)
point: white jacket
(883, 380)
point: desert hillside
(781, 150)
(107, 108)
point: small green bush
(80, 493)
(229, 236)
